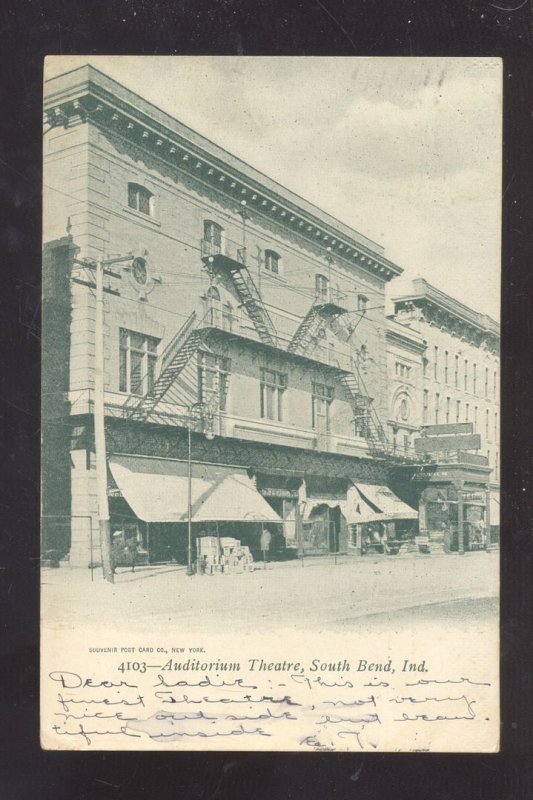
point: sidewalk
(319, 594)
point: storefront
(380, 521)
(324, 524)
(455, 506)
(152, 497)
(283, 493)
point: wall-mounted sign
(454, 427)
(438, 444)
(288, 494)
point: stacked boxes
(225, 555)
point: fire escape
(173, 361)
(327, 307)
(230, 259)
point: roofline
(422, 290)
(87, 81)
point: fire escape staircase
(251, 300)
(365, 414)
(173, 361)
(310, 326)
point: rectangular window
(137, 362)
(436, 363)
(466, 375)
(475, 419)
(424, 367)
(272, 261)
(487, 424)
(474, 379)
(273, 385)
(495, 385)
(322, 399)
(437, 404)
(467, 412)
(213, 380)
(456, 372)
(486, 381)
(321, 287)
(426, 406)
(402, 370)
(496, 431)
(445, 366)
(497, 466)
(458, 412)
(448, 402)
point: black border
(33, 29)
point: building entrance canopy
(385, 504)
(157, 491)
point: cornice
(87, 94)
(428, 297)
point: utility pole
(99, 420)
(99, 429)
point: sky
(405, 150)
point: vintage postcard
(270, 491)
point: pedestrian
(266, 538)
(132, 546)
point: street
(373, 591)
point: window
(436, 364)
(272, 261)
(322, 399)
(213, 235)
(362, 302)
(497, 466)
(402, 370)
(273, 385)
(213, 380)
(496, 427)
(437, 405)
(474, 379)
(467, 412)
(475, 419)
(456, 372)
(406, 442)
(424, 367)
(486, 381)
(321, 287)
(426, 406)
(487, 424)
(495, 382)
(448, 403)
(140, 199)
(445, 366)
(137, 361)
(458, 411)
(466, 375)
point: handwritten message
(355, 705)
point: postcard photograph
(271, 404)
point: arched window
(140, 198)
(213, 235)
(213, 293)
(321, 287)
(272, 261)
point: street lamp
(195, 412)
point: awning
(314, 502)
(494, 510)
(386, 505)
(157, 491)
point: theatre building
(245, 333)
